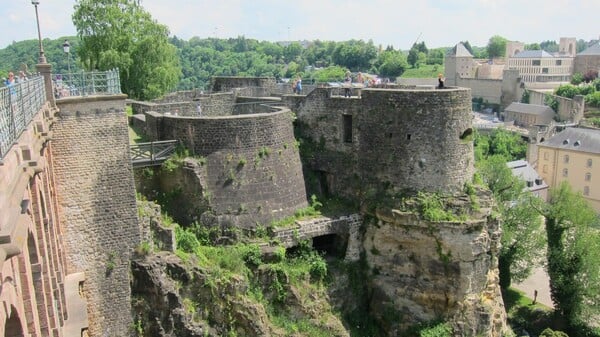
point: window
(347, 119)
(566, 158)
(545, 169)
(565, 172)
(588, 176)
(586, 190)
(536, 62)
(589, 163)
(546, 155)
(544, 70)
(558, 62)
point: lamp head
(35, 2)
(66, 46)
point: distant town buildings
(573, 155)
(541, 66)
(527, 115)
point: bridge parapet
(86, 83)
(19, 103)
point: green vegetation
(590, 91)
(573, 257)
(310, 211)
(496, 46)
(524, 315)
(424, 71)
(522, 238)
(121, 34)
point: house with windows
(527, 115)
(573, 155)
(533, 182)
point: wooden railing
(152, 153)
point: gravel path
(537, 281)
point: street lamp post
(42, 58)
(67, 49)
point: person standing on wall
(441, 81)
(347, 84)
(299, 85)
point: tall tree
(355, 55)
(391, 63)
(496, 46)
(573, 256)
(121, 34)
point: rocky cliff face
(424, 270)
(175, 299)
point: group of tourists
(297, 86)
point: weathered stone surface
(96, 203)
(424, 270)
(251, 170)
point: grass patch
(135, 136)
(424, 71)
(524, 315)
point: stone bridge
(343, 231)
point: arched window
(588, 176)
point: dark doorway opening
(330, 245)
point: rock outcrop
(424, 270)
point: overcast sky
(440, 23)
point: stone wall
(97, 205)
(251, 86)
(569, 110)
(409, 139)
(344, 226)
(489, 90)
(251, 169)
(584, 63)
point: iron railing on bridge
(87, 83)
(152, 153)
(19, 103)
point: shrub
(318, 268)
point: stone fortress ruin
(374, 148)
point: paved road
(537, 281)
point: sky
(399, 23)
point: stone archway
(13, 326)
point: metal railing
(86, 83)
(19, 103)
(152, 153)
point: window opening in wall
(408, 136)
(565, 172)
(588, 176)
(347, 120)
(558, 62)
(544, 70)
(586, 190)
(536, 62)
(589, 163)
(466, 134)
(566, 158)
(545, 169)
(546, 155)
